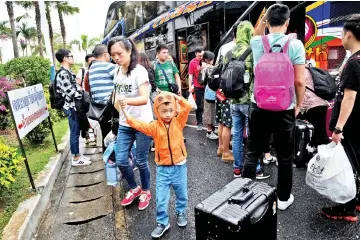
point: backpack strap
(266, 45)
(245, 54)
(287, 44)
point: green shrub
(39, 133)
(2, 70)
(32, 70)
(10, 162)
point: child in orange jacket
(170, 155)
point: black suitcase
(303, 136)
(243, 209)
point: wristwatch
(337, 130)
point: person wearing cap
(170, 155)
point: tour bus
(185, 25)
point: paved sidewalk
(81, 204)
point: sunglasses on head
(167, 97)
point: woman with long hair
(132, 89)
(144, 61)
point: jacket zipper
(158, 157)
(170, 150)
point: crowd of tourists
(142, 102)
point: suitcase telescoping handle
(248, 193)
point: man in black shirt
(347, 125)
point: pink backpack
(274, 78)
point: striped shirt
(101, 76)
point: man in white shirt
(227, 47)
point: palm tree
(24, 46)
(28, 33)
(38, 27)
(5, 32)
(74, 41)
(30, 5)
(65, 9)
(10, 9)
(51, 33)
(94, 41)
(84, 42)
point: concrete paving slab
(85, 211)
(90, 151)
(96, 157)
(79, 180)
(98, 229)
(94, 167)
(74, 195)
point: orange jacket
(169, 143)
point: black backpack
(232, 79)
(57, 100)
(213, 79)
(323, 83)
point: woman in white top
(132, 84)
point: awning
(163, 19)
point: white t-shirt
(128, 86)
(225, 49)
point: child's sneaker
(130, 197)
(80, 162)
(160, 230)
(144, 200)
(181, 219)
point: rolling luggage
(303, 136)
(242, 209)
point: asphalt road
(207, 174)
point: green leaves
(9, 164)
(32, 70)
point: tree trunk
(62, 24)
(10, 9)
(38, 28)
(51, 33)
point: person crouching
(170, 155)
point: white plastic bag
(192, 102)
(330, 174)
(109, 138)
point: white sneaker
(283, 205)
(271, 160)
(82, 157)
(80, 162)
(212, 136)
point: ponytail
(127, 44)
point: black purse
(174, 88)
(99, 111)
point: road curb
(26, 219)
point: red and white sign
(29, 108)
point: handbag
(172, 86)
(220, 96)
(100, 111)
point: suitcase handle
(259, 213)
(241, 199)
